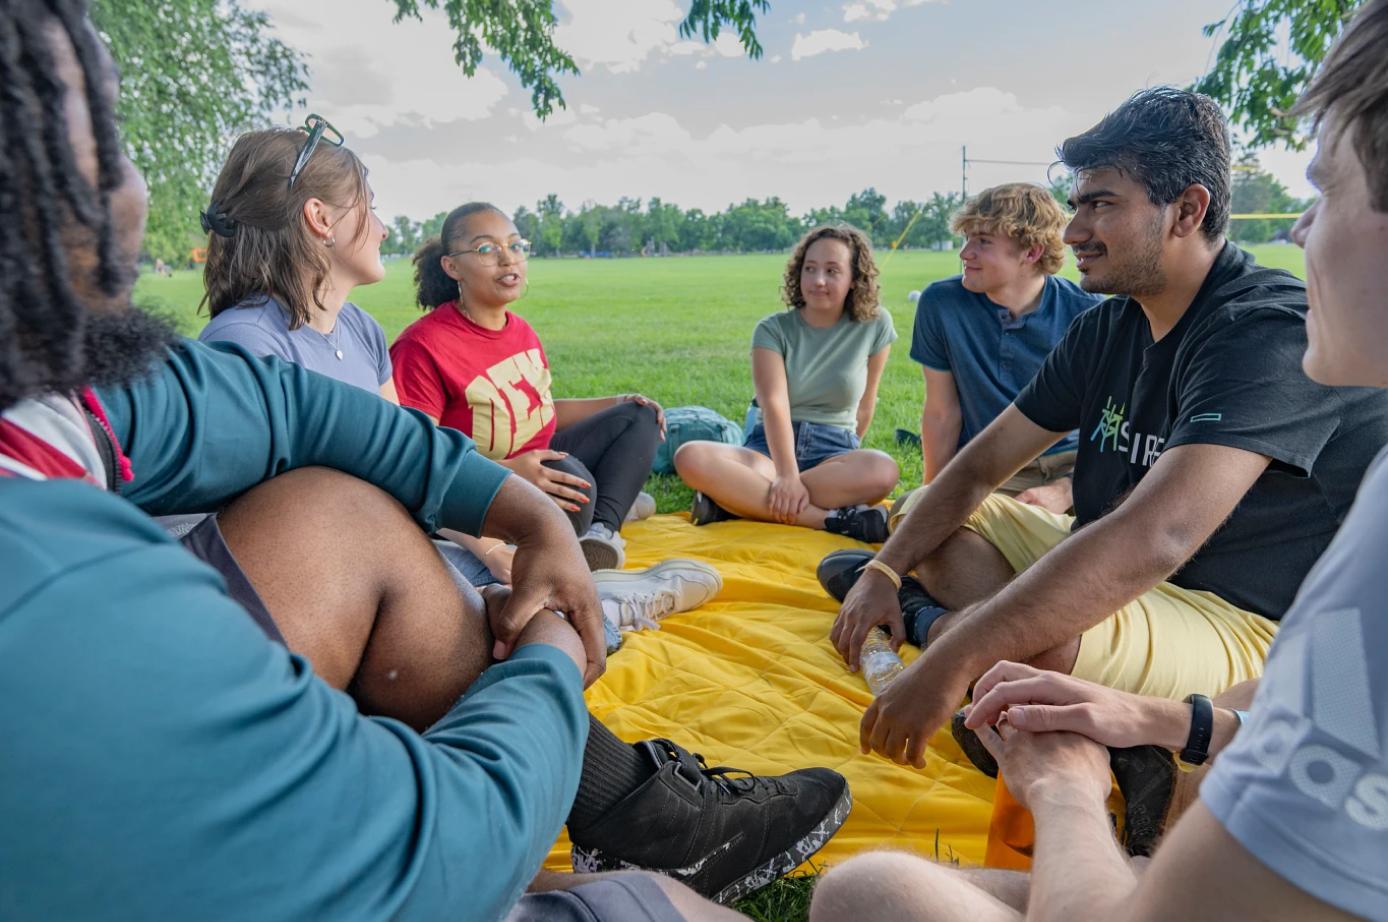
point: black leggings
(612, 450)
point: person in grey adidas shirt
(1292, 820)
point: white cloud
(798, 19)
(824, 40)
(878, 10)
(620, 36)
(368, 74)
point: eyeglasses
(490, 253)
(319, 129)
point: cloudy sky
(848, 94)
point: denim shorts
(815, 443)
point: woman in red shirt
(472, 364)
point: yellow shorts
(1168, 642)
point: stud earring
(330, 240)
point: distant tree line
(657, 227)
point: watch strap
(1201, 729)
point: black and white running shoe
(720, 831)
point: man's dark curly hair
(1167, 139)
(44, 198)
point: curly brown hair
(861, 303)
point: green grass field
(677, 329)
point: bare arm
(576, 410)
(1009, 442)
(867, 406)
(389, 393)
(570, 411)
(998, 452)
(1200, 872)
(773, 396)
(1186, 495)
(941, 420)
(788, 496)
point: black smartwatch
(1201, 729)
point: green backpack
(692, 424)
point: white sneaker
(603, 548)
(635, 599)
(642, 508)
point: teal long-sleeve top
(161, 759)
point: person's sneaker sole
(593, 861)
(659, 570)
(600, 554)
(1146, 777)
(973, 747)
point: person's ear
(446, 263)
(1190, 210)
(1033, 254)
(319, 222)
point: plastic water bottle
(879, 661)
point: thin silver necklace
(334, 339)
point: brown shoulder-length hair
(270, 249)
(861, 303)
(432, 285)
(1352, 86)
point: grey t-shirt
(1304, 786)
(261, 324)
(826, 368)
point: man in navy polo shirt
(981, 336)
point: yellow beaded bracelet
(888, 572)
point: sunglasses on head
(319, 130)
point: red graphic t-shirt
(491, 384)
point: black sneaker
(839, 570)
(973, 747)
(704, 510)
(1146, 776)
(865, 523)
(720, 831)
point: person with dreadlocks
(165, 756)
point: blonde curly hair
(861, 303)
(1024, 213)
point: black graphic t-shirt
(1229, 373)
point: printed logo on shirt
(510, 403)
(1316, 691)
(1114, 433)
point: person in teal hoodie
(163, 757)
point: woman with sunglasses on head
(472, 364)
(292, 232)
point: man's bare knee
(896, 887)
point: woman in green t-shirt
(816, 368)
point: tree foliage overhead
(1269, 51)
(193, 74)
(521, 32)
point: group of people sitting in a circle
(346, 679)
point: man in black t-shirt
(1211, 471)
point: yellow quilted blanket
(751, 680)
